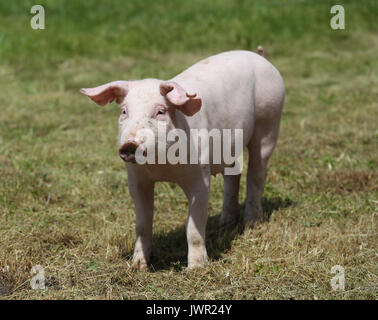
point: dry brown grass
(353, 181)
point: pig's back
(226, 82)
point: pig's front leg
(142, 193)
(197, 191)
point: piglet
(235, 91)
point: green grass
(64, 202)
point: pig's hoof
(228, 221)
(198, 260)
(252, 221)
(229, 216)
(196, 265)
(139, 265)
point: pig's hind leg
(260, 149)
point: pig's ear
(176, 95)
(116, 90)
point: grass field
(64, 201)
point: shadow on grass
(170, 248)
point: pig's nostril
(128, 148)
(127, 151)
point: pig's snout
(127, 151)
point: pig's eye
(161, 112)
(124, 112)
